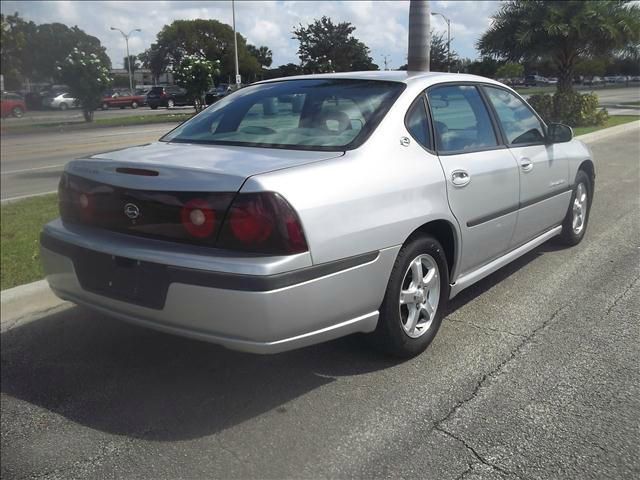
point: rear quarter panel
(371, 198)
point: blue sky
(382, 25)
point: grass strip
(612, 121)
(21, 224)
(99, 123)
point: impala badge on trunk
(132, 211)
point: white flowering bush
(195, 74)
(87, 79)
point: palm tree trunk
(419, 35)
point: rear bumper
(253, 313)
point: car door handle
(460, 178)
(526, 164)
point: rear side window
(460, 119)
(518, 122)
(417, 123)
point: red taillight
(262, 223)
(85, 205)
(198, 218)
(250, 223)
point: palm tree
(419, 35)
(562, 31)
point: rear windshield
(314, 114)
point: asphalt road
(32, 163)
(534, 374)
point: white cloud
(382, 25)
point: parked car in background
(122, 99)
(216, 93)
(552, 81)
(168, 96)
(12, 104)
(61, 101)
(594, 81)
(535, 81)
(142, 93)
(360, 202)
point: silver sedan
(298, 210)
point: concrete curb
(23, 303)
(609, 132)
(20, 304)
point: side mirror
(559, 133)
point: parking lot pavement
(534, 374)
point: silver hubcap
(579, 209)
(419, 295)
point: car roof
(424, 78)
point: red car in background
(12, 104)
(122, 99)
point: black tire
(390, 335)
(569, 236)
(170, 103)
(153, 107)
(63, 106)
(105, 106)
(17, 112)
(134, 104)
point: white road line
(22, 197)
(46, 167)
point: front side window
(518, 122)
(460, 119)
(313, 114)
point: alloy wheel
(419, 295)
(580, 206)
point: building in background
(141, 76)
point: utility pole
(126, 39)
(419, 36)
(448, 39)
(386, 62)
(235, 43)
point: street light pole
(235, 41)
(126, 39)
(448, 39)
(386, 62)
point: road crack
(621, 296)
(485, 327)
(497, 370)
(477, 456)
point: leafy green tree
(591, 66)
(210, 39)
(133, 61)
(16, 62)
(87, 78)
(155, 59)
(329, 47)
(485, 67)
(438, 55)
(31, 52)
(563, 31)
(195, 74)
(263, 54)
(287, 70)
(510, 70)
